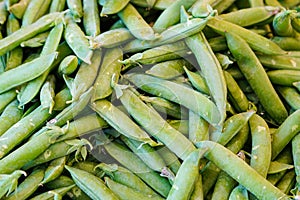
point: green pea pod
(168, 69)
(246, 176)
(54, 169)
(156, 125)
(47, 94)
(146, 153)
(126, 177)
(198, 128)
(57, 6)
(124, 192)
(25, 72)
(9, 182)
(197, 81)
(249, 65)
(279, 62)
(110, 69)
(170, 91)
(296, 160)
(261, 145)
(36, 41)
(34, 10)
(282, 23)
(188, 173)
(90, 184)
(170, 158)
(239, 192)
(111, 38)
(287, 43)
(91, 19)
(80, 45)
(76, 9)
(68, 65)
(114, 116)
(295, 22)
(3, 13)
(276, 167)
(284, 77)
(6, 98)
(18, 9)
(256, 41)
(244, 17)
(159, 4)
(61, 181)
(180, 125)
(54, 194)
(285, 133)
(287, 182)
(137, 166)
(223, 187)
(28, 186)
(291, 96)
(112, 7)
(61, 98)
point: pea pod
(287, 43)
(18, 9)
(91, 19)
(6, 98)
(297, 85)
(223, 187)
(257, 42)
(284, 77)
(68, 65)
(36, 41)
(170, 91)
(126, 193)
(34, 10)
(248, 177)
(54, 169)
(112, 7)
(286, 182)
(76, 9)
(282, 23)
(239, 192)
(61, 181)
(197, 81)
(53, 194)
(279, 62)
(198, 128)
(47, 94)
(3, 12)
(249, 65)
(57, 6)
(295, 152)
(9, 182)
(291, 96)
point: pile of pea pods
(149, 99)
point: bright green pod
(110, 7)
(11, 115)
(284, 77)
(28, 186)
(76, 9)
(34, 10)
(54, 169)
(197, 81)
(77, 41)
(249, 65)
(291, 96)
(68, 65)
(287, 43)
(91, 19)
(279, 62)
(61, 98)
(282, 23)
(36, 41)
(135, 23)
(18, 9)
(124, 192)
(53, 194)
(57, 6)
(110, 70)
(223, 187)
(90, 167)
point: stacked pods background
(150, 99)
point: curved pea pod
(261, 145)
(85, 76)
(250, 65)
(77, 41)
(76, 9)
(297, 85)
(256, 41)
(109, 71)
(124, 192)
(246, 176)
(291, 96)
(54, 194)
(6, 98)
(9, 182)
(28, 151)
(188, 173)
(223, 187)
(57, 6)
(18, 9)
(174, 92)
(157, 54)
(277, 167)
(239, 192)
(262, 13)
(279, 62)
(11, 115)
(287, 182)
(28, 186)
(284, 77)
(91, 19)
(135, 23)
(61, 98)
(112, 7)
(146, 153)
(236, 95)
(285, 133)
(282, 23)
(61, 181)
(47, 94)
(156, 125)
(166, 107)
(90, 184)
(126, 177)
(34, 10)
(25, 72)
(197, 81)
(54, 169)
(212, 71)
(137, 166)
(114, 116)
(68, 65)
(22, 130)
(170, 158)
(198, 128)
(111, 38)
(287, 43)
